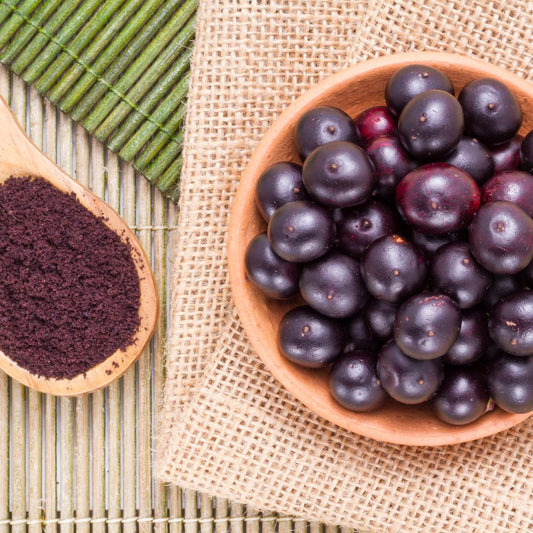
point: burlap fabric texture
(228, 427)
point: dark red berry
(393, 269)
(301, 231)
(456, 273)
(501, 286)
(339, 174)
(526, 276)
(473, 339)
(511, 186)
(322, 125)
(380, 316)
(274, 276)
(412, 80)
(332, 285)
(353, 381)
(474, 158)
(511, 323)
(431, 125)
(358, 333)
(374, 122)
(279, 184)
(405, 379)
(429, 244)
(310, 339)
(438, 199)
(427, 325)
(506, 156)
(492, 113)
(360, 226)
(462, 397)
(510, 382)
(501, 238)
(392, 163)
(526, 153)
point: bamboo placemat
(85, 464)
(120, 68)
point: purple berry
(492, 113)
(438, 199)
(412, 80)
(431, 125)
(501, 238)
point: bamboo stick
(175, 512)
(82, 464)
(237, 514)
(160, 114)
(54, 26)
(168, 181)
(284, 524)
(114, 390)
(77, 32)
(99, 440)
(139, 30)
(18, 392)
(116, 138)
(122, 74)
(206, 514)
(98, 466)
(190, 511)
(4, 449)
(329, 528)
(28, 31)
(174, 493)
(50, 442)
(35, 403)
(148, 142)
(145, 94)
(50, 439)
(315, 527)
(159, 244)
(268, 522)
(169, 155)
(300, 525)
(114, 468)
(17, 19)
(82, 460)
(139, 77)
(221, 515)
(144, 391)
(66, 512)
(86, 46)
(4, 386)
(129, 470)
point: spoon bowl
(19, 157)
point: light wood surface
(353, 90)
(20, 157)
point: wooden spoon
(20, 157)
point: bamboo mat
(120, 68)
(85, 464)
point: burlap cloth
(228, 427)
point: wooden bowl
(352, 90)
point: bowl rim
(457, 434)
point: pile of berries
(408, 233)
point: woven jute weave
(228, 428)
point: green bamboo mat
(120, 68)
